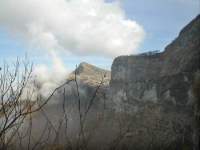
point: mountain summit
(91, 74)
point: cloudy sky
(71, 31)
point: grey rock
(157, 87)
(164, 77)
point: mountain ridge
(91, 74)
(170, 71)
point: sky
(95, 31)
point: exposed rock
(162, 80)
(91, 75)
(88, 77)
(160, 77)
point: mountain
(145, 102)
(160, 77)
(91, 75)
(89, 78)
(157, 86)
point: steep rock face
(182, 55)
(159, 77)
(157, 87)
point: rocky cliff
(157, 87)
(162, 78)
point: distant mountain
(91, 75)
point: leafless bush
(18, 101)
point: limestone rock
(164, 77)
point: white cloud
(49, 79)
(81, 27)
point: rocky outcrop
(164, 78)
(157, 87)
(88, 78)
(91, 75)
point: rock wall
(157, 89)
(164, 78)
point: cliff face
(162, 78)
(183, 54)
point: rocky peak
(91, 74)
(183, 54)
(85, 68)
